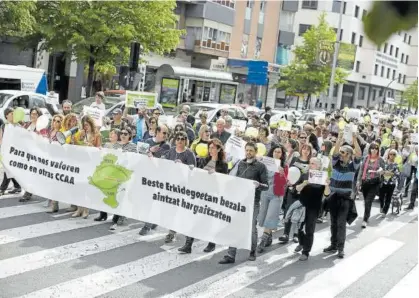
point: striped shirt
(343, 175)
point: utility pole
(335, 58)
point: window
(410, 39)
(407, 59)
(356, 11)
(397, 52)
(37, 101)
(376, 69)
(353, 38)
(310, 4)
(400, 78)
(357, 65)
(391, 50)
(344, 7)
(382, 71)
(388, 73)
(361, 40)
(374, 94)
(302, 29)
(364, 14)
(228, 3)
(404, 79)
(405, 37)
(394, 74)
(385, 48)
(361, 93)
(215, 39)
(262, 5)
(402, 59)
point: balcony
(210, 47)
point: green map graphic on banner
(108, 178)
(346, 56)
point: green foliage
(16, 18)
(305, 74)
(411, 95)
(104, 30)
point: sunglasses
(153, 122)
(374, 148)
(180, 139)
(303, 138)
(342, 152)
(178, 129)
(392, 154)
(157, 114)
(124, 133)
(57, 120)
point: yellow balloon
(252, 132)
(202, 150)
(342, 125)
(261, 149)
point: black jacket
(223, 137)
(255, 171)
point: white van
(22, 78)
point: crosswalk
(53, 255)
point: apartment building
(379, 74)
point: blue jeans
(270, 207)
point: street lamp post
(335, 58)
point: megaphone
(62, 136)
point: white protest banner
(317, 177)
(375, 120)
(167, 120)
(270, 163)
(95, 113)
(239, 124)
(235, 147)
(137, 99)
(414, 138)
(210, 207)
(348, 133)
(325, 162)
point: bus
(23, 78)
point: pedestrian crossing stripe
(229, 281)
(407, 287)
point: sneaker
(144, 231)
(186, 249)
(364, 224)
(169, 238)
(283, 239)
(303, 257)
(252, 256)
(113, 227)
(330, 249)
(15, 191)
(341, 254)
(210, 247)
(298, 248)
(227, 260)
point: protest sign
(137, 99)
(284, 125)
(375, 120)
(167, 120)
(398, 134)
(270, 163)
(317, 177)
(348, 133)
(414, 138)
(239, 124)
(95, 113)
(210, 207)
(235, 147)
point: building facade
(379, 74)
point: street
(44, 255)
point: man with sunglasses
(158, 147)
(345, 163)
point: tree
(305, 74)
(411, 95)
(102, 31)
(16, 18)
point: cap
(117, 111)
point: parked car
(310, 115)
(26, 100)
(131, 111)
(214, 110)
(279, 115)
(108, 101)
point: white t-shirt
(100, 106)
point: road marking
(45, 228)
(336, 279)
(62, 214)
(114, 278)
(22, 210)
(407, 286)
(57, 255)
(243, 275)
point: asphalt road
(43, 255)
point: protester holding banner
(56, 126)
(311, 196)
(182, 154)
(114, 139)
(70, 122)
(250, 168)
(215, 163)
(200, 145)
(89, 134)
(272, 199)
(8, 114)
